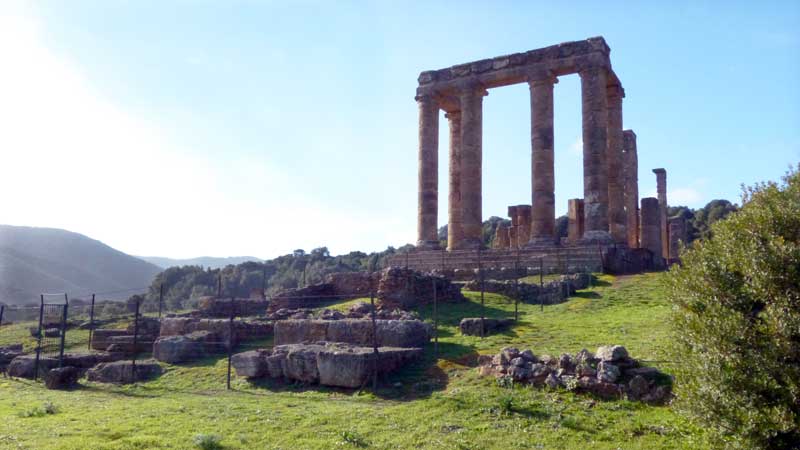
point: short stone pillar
(651, 226)
(595, 171)
(630, 164)
(661, 189)
(455, 234)
(575, 220)
(501, 237)
(428, 176)
(678, 236)
(512, 231)
(524, 220)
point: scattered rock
(611, 353)
(607, 372)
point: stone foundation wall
(390, 333)
(221, 307)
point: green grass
(437, 403)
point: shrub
(207, 441)
(736, 322)
(40, 411)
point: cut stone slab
(190, 347)
(62, 378)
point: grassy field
(436, 403)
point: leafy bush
(350, 437)
(40, 411)
(207, 441)
(736, 321)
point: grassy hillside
(437, 403)
(36, 260)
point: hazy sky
(186, 128)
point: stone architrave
(454, 230)
(428, 206)
(614, 142)
(595, 173)
(524, 220)
(631, 175)
(575, 220)
(471, 100)
(542, 166)
(661, 189)
(651, 226)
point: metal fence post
(516, 290)
(483, 306)
(91, 322)
(39, 339)
(160, 299)
(374, 343)
(135, 340)
(444, 251)
(230, 342)
(63, 332)
(541, 283)
(219, 284)
(435, 322)
(2, 310)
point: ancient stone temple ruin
(606, 217)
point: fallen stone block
(124, 372)
(189, 347)
(472, 326)
(329, 364)
(62, 378)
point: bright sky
(185, 128)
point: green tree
(737, 321)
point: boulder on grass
(123, 372)
(252, 364)
(62, 378)
(25, 366)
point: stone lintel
(562, 59)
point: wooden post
(480, 275)
(541, 283)
(91, 323)
(435, 322)
(374, 343)
(63, 332)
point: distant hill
(36, 260)
(205, 261)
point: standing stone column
(595, 179)
(651, 227)
(524, 220)
(677, 237)
(513, 230)
(471, 166)
(614, 141)
(428, 198)
(661, 188)
(631, 170)
(543, 210)
(502, 236)
(454, 230)
(575, 220)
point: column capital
(592, 70)
(542, 79)
(425, 98)
(454, 115)
(473, 88)
(615, 91)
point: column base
(469, 244)
(428, 245)
(596, 237)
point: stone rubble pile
(609, 373)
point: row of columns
(605, 182)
